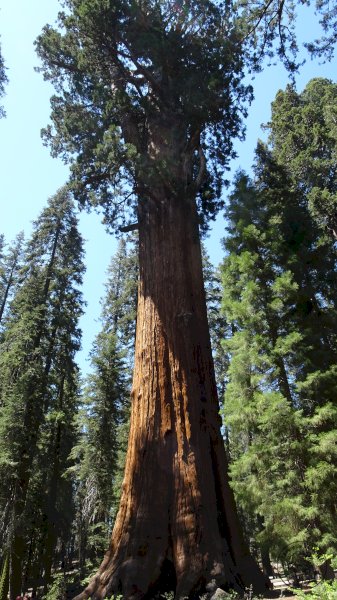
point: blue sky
(29, 176)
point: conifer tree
(37, 363)
(303, 133)
(2, 266)
(216, 320)
(119, 307)
(105, 395)
(278, 295)
(100, 452)
(150, 96)
(119, 316)
(58, 439)
(2, 245)
(9, 272)
(3, 81)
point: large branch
(151, 80)
(202, 168)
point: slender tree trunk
(8, 287)
(177, 526)
(265, 551)
(51, 511)
(27, 579)
(326, 571)
(266, 563)
(53, 495)
(4, 578)
(82, 546)
(28, 445)
(15, 258)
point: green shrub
(325, 590)
(57, 589)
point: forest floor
(283, 587)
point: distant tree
(303, 133)
(278, 296)
(216, 320)
(119, 306)
(104, 418)
(9, 272)
(3, 81)
(37, 367)
(105, 397)
(2, 266)
(2, 244)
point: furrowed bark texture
(177, 527)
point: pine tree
(278, 282)
(37, 364)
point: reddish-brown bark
(177, 526)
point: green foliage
(10, 267)
(125, 71)
(58, 588)
(105, 397)
(152, 94)
(103, 424)
(279, 281)
(39, 389)
(269, 28)
(303, 133)
(216, 321)
(325, 590)
(119, 307)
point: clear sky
(29, 176)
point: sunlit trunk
(177, 527)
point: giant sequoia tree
(150, 95)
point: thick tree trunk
(177, 527)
